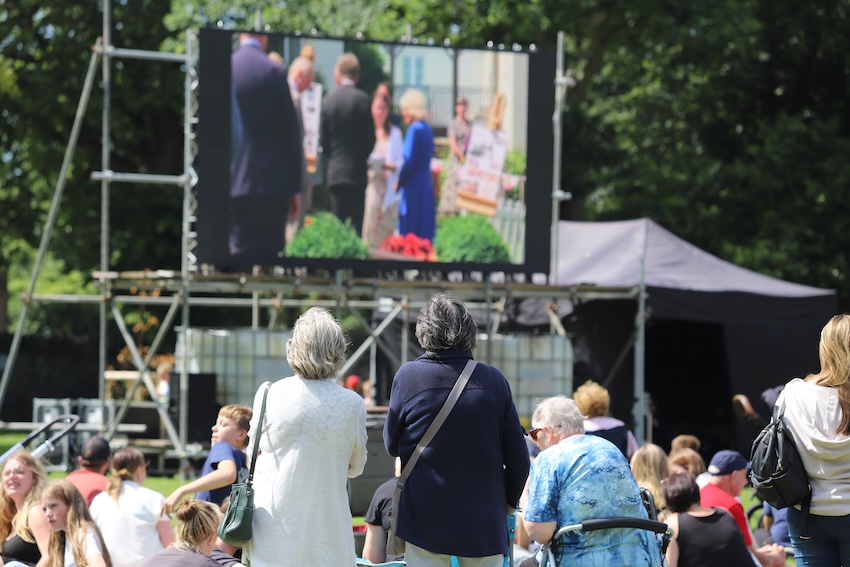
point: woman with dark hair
(128, 514)
(817, 413)
(197, 522)
(75, 540)
(381, 209)
(476, 464)
(702, 537)
(313, 439)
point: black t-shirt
(710, 541)
(380, 510)
(16, 549)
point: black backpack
(777, 474)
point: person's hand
(773, 553)
(171, 502)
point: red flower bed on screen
(410, 245)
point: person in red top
(728, 470)
(90, 479)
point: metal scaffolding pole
(639, 409)
(51, 220)
(104, 205)
(188, 263)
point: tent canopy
(767, 329)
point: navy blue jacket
(455, 500)
(269, 154)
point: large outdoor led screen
(487, 208)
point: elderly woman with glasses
(475, 467)
(580, 477)
(129, 515)
(313, 439)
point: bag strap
(265, 387)
(806, 504)
(444, 412)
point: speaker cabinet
(202, 408)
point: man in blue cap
(728, 470)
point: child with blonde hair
(75, 540)
(226, 462)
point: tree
(724, 121)
(48, 49)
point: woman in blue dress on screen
(416, 211)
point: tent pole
(639, 408)
(557, 194)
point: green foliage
(515, 162)
(327, 237)
(371, 65)
(469, 238)
(49, 318)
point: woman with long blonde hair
(75, 540)
(129, 515)
(23, 528)
(817, 413)
(649, 467)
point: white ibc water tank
(536, 366)
(241, 359)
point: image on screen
(339, 153)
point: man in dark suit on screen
(267, 164)
(348, 137)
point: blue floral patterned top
(585, 477)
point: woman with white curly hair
(313, 439)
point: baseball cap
(95, 450)
(726, 462)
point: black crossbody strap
(265, 387)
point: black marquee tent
(713, 329)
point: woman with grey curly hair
(478, 460)
(313, 439)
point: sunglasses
(534, 433)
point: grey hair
(301, 65)
(561, 414)
(317, 346)
(444, 323)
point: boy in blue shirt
(226, 463)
